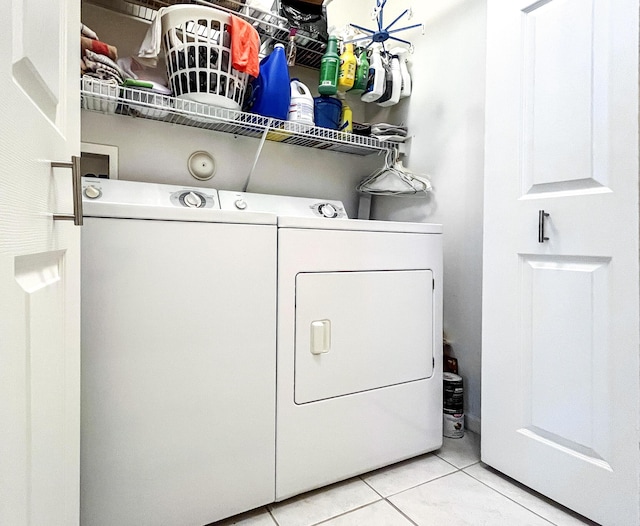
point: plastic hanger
(394, 179)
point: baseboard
(472, 423)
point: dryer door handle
(320, 336)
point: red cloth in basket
(245, 45)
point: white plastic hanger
(394, 179)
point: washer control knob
(91, 192)
(241, 204)
(192, 200)
(328, 210)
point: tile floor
(449, 487)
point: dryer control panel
(282, 205)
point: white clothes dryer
(178, 356)
(359, 366)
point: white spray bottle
(401, 53)
(396, 86)
(376, 81)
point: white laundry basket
(197, 45)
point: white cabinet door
(560, 395)
(39, 264)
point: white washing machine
(178, 356)
(359, 367)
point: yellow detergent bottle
(346, 115)
(348, 63)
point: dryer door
(357, 331)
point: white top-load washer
(178, 356)
(359, 367)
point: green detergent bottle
(329, 68)
(362, 72)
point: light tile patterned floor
(448, 487)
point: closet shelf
(271, 27)
(110, 99)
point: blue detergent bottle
(271, 92)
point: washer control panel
(282, 205)
(132, 193)
(192, 198)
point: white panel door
(39, 264)
(560, 395)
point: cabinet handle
(541, 217)
(77, 190)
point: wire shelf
(272, 28)
(148, 105)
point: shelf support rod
(258, 152)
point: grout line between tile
(533, 492)
(374, 489)
(324, 521)
(402, 512)
(422, 483)
(509, 498)
(458, 468)
(271, 515)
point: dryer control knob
(328, 210)
(92, 192)
(193, 200)
(241, 204)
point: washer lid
(359, 225)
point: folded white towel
(104, 66)
(383, 128)
(390, 137)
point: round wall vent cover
(201, 165)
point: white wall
(445, 115)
